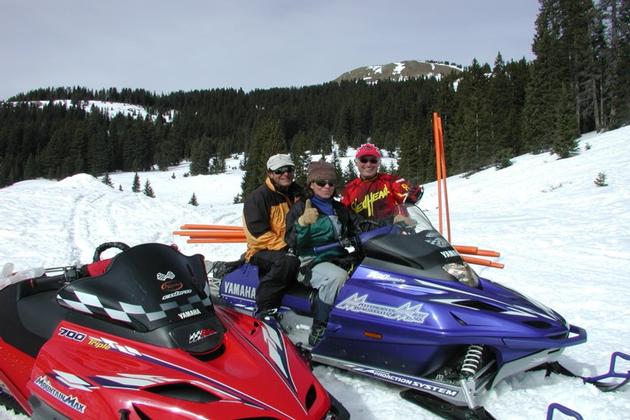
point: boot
(317, 333)
(271, 317)
(320, 321)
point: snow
(111, 109)
(564, 241)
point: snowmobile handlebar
(68, 275)
(359, 239)
(344, 243)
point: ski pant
(327, 278)
(276, 271)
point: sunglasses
(280, 171)
(366, 160)
(324, 182)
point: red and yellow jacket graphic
(376, 198)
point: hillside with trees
(578, 82)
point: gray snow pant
(327, 278)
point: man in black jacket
(264, 213)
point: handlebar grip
(43, 281)
(323, 248)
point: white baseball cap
(278, 161)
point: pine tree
(600, 181)
(107, 180)
(200, 157)
(193, 200)
(218, 165)
(565, 132)
(409, 165)
(135, 187)
(301, 164)
(350, 172)
(338, 170)
(267, 140)
(148, 191)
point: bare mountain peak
(402, 70)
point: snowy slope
(564, 241)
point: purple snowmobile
(413, 313)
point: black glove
(415, 194)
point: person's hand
(310, 214)
(405, 220)
(415, 194)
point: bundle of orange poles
(216, 234)
(440, 177)
(198, 233)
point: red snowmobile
(141, 339)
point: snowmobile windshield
(146, 287)
(413, 246)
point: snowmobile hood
(258, 374)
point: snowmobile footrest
(445, 409)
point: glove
(310, 214)
(405, 220)
(415, 194)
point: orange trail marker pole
(210, 233)
(211, 227)
(444, 176)
(438, 168)
(215, 240)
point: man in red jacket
(376, 195)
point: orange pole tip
(481, 261)
(465, 249)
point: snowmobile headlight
(463, 273)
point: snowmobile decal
(406, 381)
(200, 335)
(383, 276)
(240, 290)
(171, 286)
(188, 314)
(276, 349)
(175, 294)
(405, 312)
(91, 304)
(70, 400)
(129, 381)
(71, 334)
(449, 254)
(71, 381)
(163, 277)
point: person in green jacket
(320, 220)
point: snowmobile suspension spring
(472, 360)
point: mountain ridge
(400, 71)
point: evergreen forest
(491, 112)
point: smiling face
(367, 166)
(282, 177)
(323, 188)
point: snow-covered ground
(111, 109)
(564, 242)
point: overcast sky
(203, 44)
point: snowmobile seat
(40, 313)
(98, 267)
